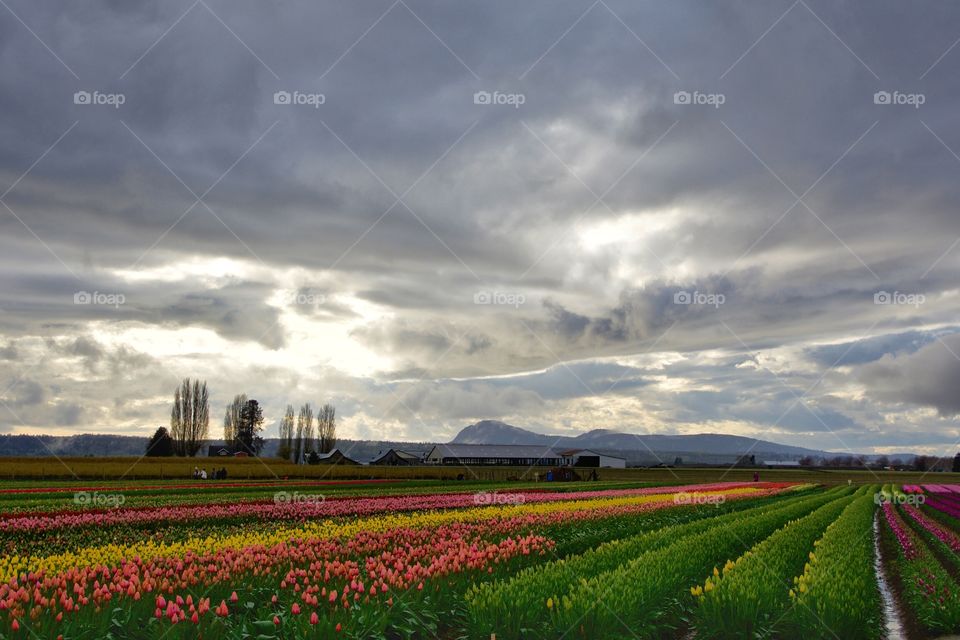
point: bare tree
(305, 431)
(298, 443)
(199, 424)
(326, 428)
(231, 419)
(189, 417)
(176, 422)
(286, 434)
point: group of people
(216, 474)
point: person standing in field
(203, 474)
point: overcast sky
(657, 217)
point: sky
(655, 217)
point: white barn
(590, 458)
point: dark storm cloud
(403, 194)
(928, 377)
(871, 349)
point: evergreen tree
(160, 445)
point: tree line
(300, 441)
(917, 463)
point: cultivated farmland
(415, 559)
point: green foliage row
(622, 583)
(749, 596)
(837, 595)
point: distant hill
(648, 449)
(92, 444)
(102, 445)
(644, 450)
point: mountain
(496, 432)
(641, 450)
(646, 449)
(89, 444)
(102, 445)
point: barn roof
(569, 453)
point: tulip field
(451, 560)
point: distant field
(131, 468)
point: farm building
(222, 450)
(496, 454)
(588, 458)
(396, 458)
(781, 464)
(335, 457)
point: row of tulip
(622, 588)
(321, 578)
(180, 486)
(930, 596)
(272, 533)
(897, 528)
(748, 597)
(837, 594)
(942, 488)
(944, 503)
(948, 538)
(304, 509)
